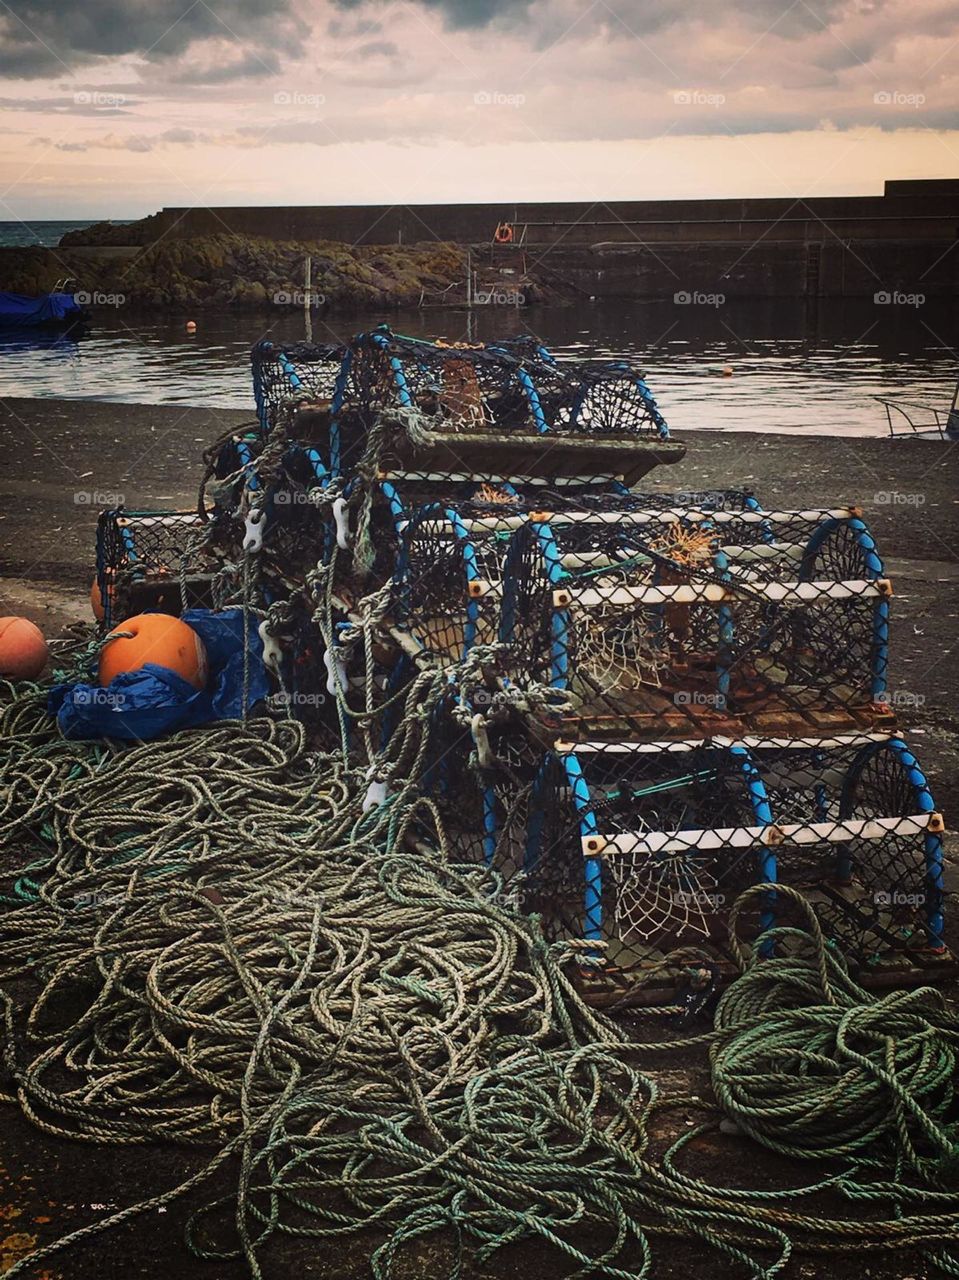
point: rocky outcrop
(143, 231)
(240, 272)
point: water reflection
(795, 367)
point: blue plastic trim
(535, 404)
(768, 865)
(932, 844)
(875, 569)
(592, 866)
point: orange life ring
(503, 233)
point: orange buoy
(23, 650)
(191, 326)
(96, 596)
(157, 638)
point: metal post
(469, 276)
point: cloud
(85, 102)
(39, 36)
(377, 49)
(428, 75)
(461, 15)
(251, 65)
(136, 142)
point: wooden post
(307, 289)
(469, 276)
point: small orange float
(23, 650)
(157, 638)
(96, 596)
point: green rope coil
(810, 1064)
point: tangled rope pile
(213, 944)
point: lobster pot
(482, 788)
(285, 518)
(858, 832)
(664, 616)
(440, 587)
(637, 849)
(593, 398)
(819, 640)
(458, 388)
(143, 559)
(299, 530)
(297, 378)
(232, 468)
(469, 401)
(474, 525)
(305, 688)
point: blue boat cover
(140, 705)
(17, 311)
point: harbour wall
(903, 242)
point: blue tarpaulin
(17, 311)
(144, 704)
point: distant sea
(41, 231)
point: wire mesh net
(697, 619)
(300, 375)
(635, 851)
(150, 560)
(867, 851)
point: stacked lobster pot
(653, 699)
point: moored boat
(47, 311)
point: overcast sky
(118, 107)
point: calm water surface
(792, 370)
